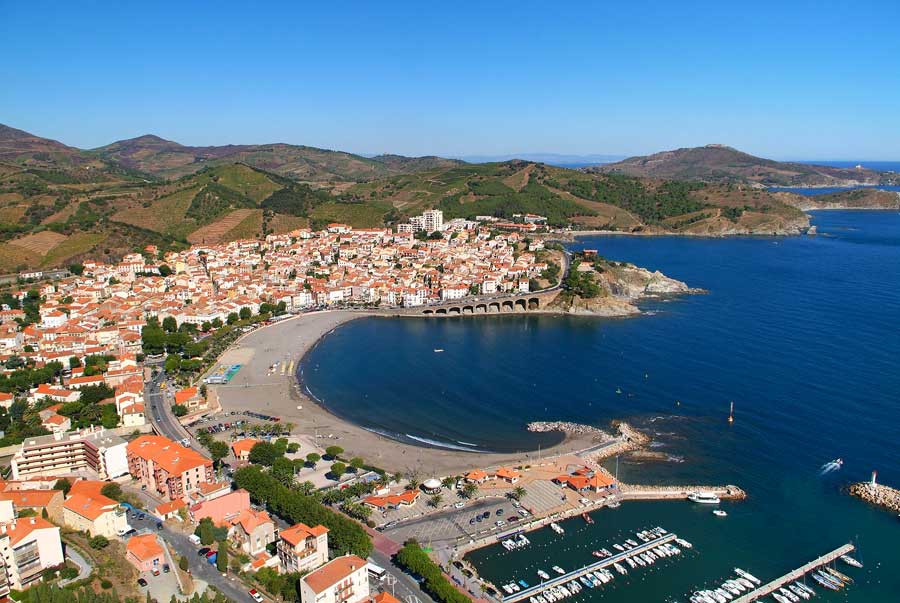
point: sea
(801, 333)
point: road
(164, 422)
(84, 566)
(229, 585)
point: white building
(66, 453)
(341, 580)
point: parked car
(142, 582)
(254, 594)
(459, 505)
(202, 552)
(165, 568)
(155, 571)
(499, 511)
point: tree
(205, 530)
(436, 500)
(469, 490)
(169, 324)
(64, 485)
(179, 410)
(232, 318)
(216, 323)
(283, 470)
(112, 490)
(222, 557)
(98, 542)
(245, 313)
(173, 363)
(306, 488)
(74, 362)
(312, 458)
(338, 469)
(334, 451)
(518, 493)
(264, 453)
(183, 564)
(217, 450)
(357, 463)
(447, 482)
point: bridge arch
(534, 303)
(494, 307)
(520, 304)
(468, 310)
(454, 310)
(507, 306)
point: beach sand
(257, 387)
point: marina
(774, 587)
(585, 575)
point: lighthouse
(872, 483)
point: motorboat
(705, 498)
(544, 575)
(851, 561)
(720, 513)
(558, 570)
(747, 575)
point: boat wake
(831, 466)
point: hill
(861, 198)
(582, 200)
(723, 164)
(167, 159)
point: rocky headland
(877, 494)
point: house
(145, 552)
(87, 510)
(591, 482)
(393, 501)
(341, 580)
(302, 548)
(29, 545)
(252, 531)
(477, 476)
(190, 398)
(508, 475)
(38, 500)
(168, 510)
(57, 394)
(241, 448)
(222, 510)
(6, 400)
(166, 467)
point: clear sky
(787, 79)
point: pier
(525, 593)
(797, 574)
(635, 492)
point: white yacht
(706, 498)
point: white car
(459, 505)
(256, 596)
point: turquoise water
(801, 332)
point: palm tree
(435, 500)
(518, 493)
(469, 490)
(447, 482)
(306, 488)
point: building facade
(341, 580)
(64, 453)
(168, 468)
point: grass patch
(76, 244)
(357, 215)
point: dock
(537, 589)
(797, 574)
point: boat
(587, 581)
(798, 591)
(598, 554)
(558, 570)
(438, 350)
(523, 584)
(618, 547)
(724, 594)
(788, 595)
(747, 575)
(720, 513)
(838, 575)
(620, 568)
(639, 561)
(506, 589)
(630, 562)
(706, 498)
(807, 588)
(614, 504)
(779, 598)
(827, 581)
(544, 575)
(746, 583)
(556, 528)
(632, 542)
(850, 561)
(683, 543)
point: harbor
(775, 586)
(552, 584)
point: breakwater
(639, 492)
(877, 494)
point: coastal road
(160, 413)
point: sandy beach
(257, 387)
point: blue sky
(803, 80)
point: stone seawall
(883, 496)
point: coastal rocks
(883, 496)
(568, 429)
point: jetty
(797, 574)
(637, 492)
(877, 494)
(537, 589)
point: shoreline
(259, 387)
